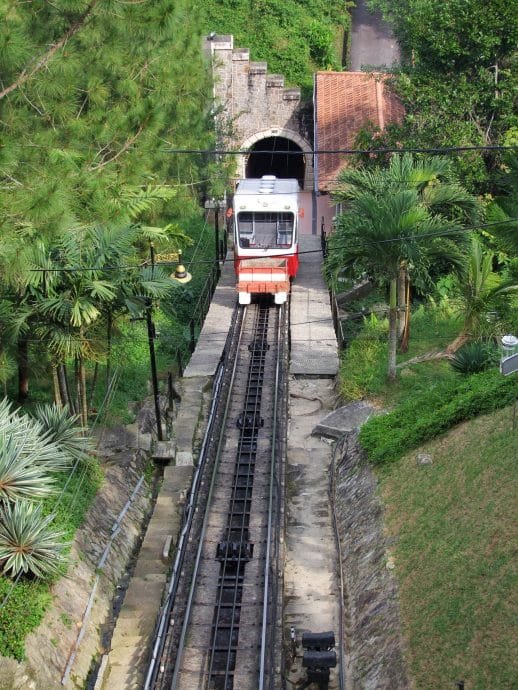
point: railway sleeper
(247, 447)
(249, 422)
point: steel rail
(257, 362)
(161, 628)
(181, 644)
(270, 504)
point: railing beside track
(335, 310)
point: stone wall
(373, 635)
(256, 105)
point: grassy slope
(453, 520)
(455, 523)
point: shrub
(433, 412)
(474, 357)
(28, 544)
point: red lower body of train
(265, 275)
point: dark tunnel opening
(264, 159)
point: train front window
(265, 230)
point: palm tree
(392, 227)
(479, 290)
(437, 191)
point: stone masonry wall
(256, 105)
(373, 635)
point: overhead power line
(246, 152)
(168, 264)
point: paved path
(314, 350)
(372, 41)
(310, 584)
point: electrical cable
(444, 233)
(315, 152)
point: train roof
(267, 184)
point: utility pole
(151, 334)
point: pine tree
(92, 95)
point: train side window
(285, 230)
(245, 226)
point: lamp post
(180, 275)
(216, 238)
(216, 205)
(151, 335)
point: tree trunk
(77, 387)
(406, 331)
(82, 393)
(402, 281)
(109, 328)
(94, 385)
(459, 341)
(64, 388)
(23, 368)
(58, 400)
(392, 343)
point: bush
(433, 412)
(474, 357)
(28, 543)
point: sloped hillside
(453, 523)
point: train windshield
(265, 230)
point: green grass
(363, 364)
(454, 522)
(22, 612)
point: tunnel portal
(266, 159)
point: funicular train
(265, 218)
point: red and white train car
(266, 214)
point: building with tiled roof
(344, 103)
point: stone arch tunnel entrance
(263, 159)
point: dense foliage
(423, 417)
(92, 96)
(84, 121)
(459, 81)
(402, 223)
(295, 37)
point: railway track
(219, 627)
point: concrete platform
(210, 345)
(314, 348)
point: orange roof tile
(346, 102)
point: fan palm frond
(61, 428)
(28, 544)
(20, 476)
